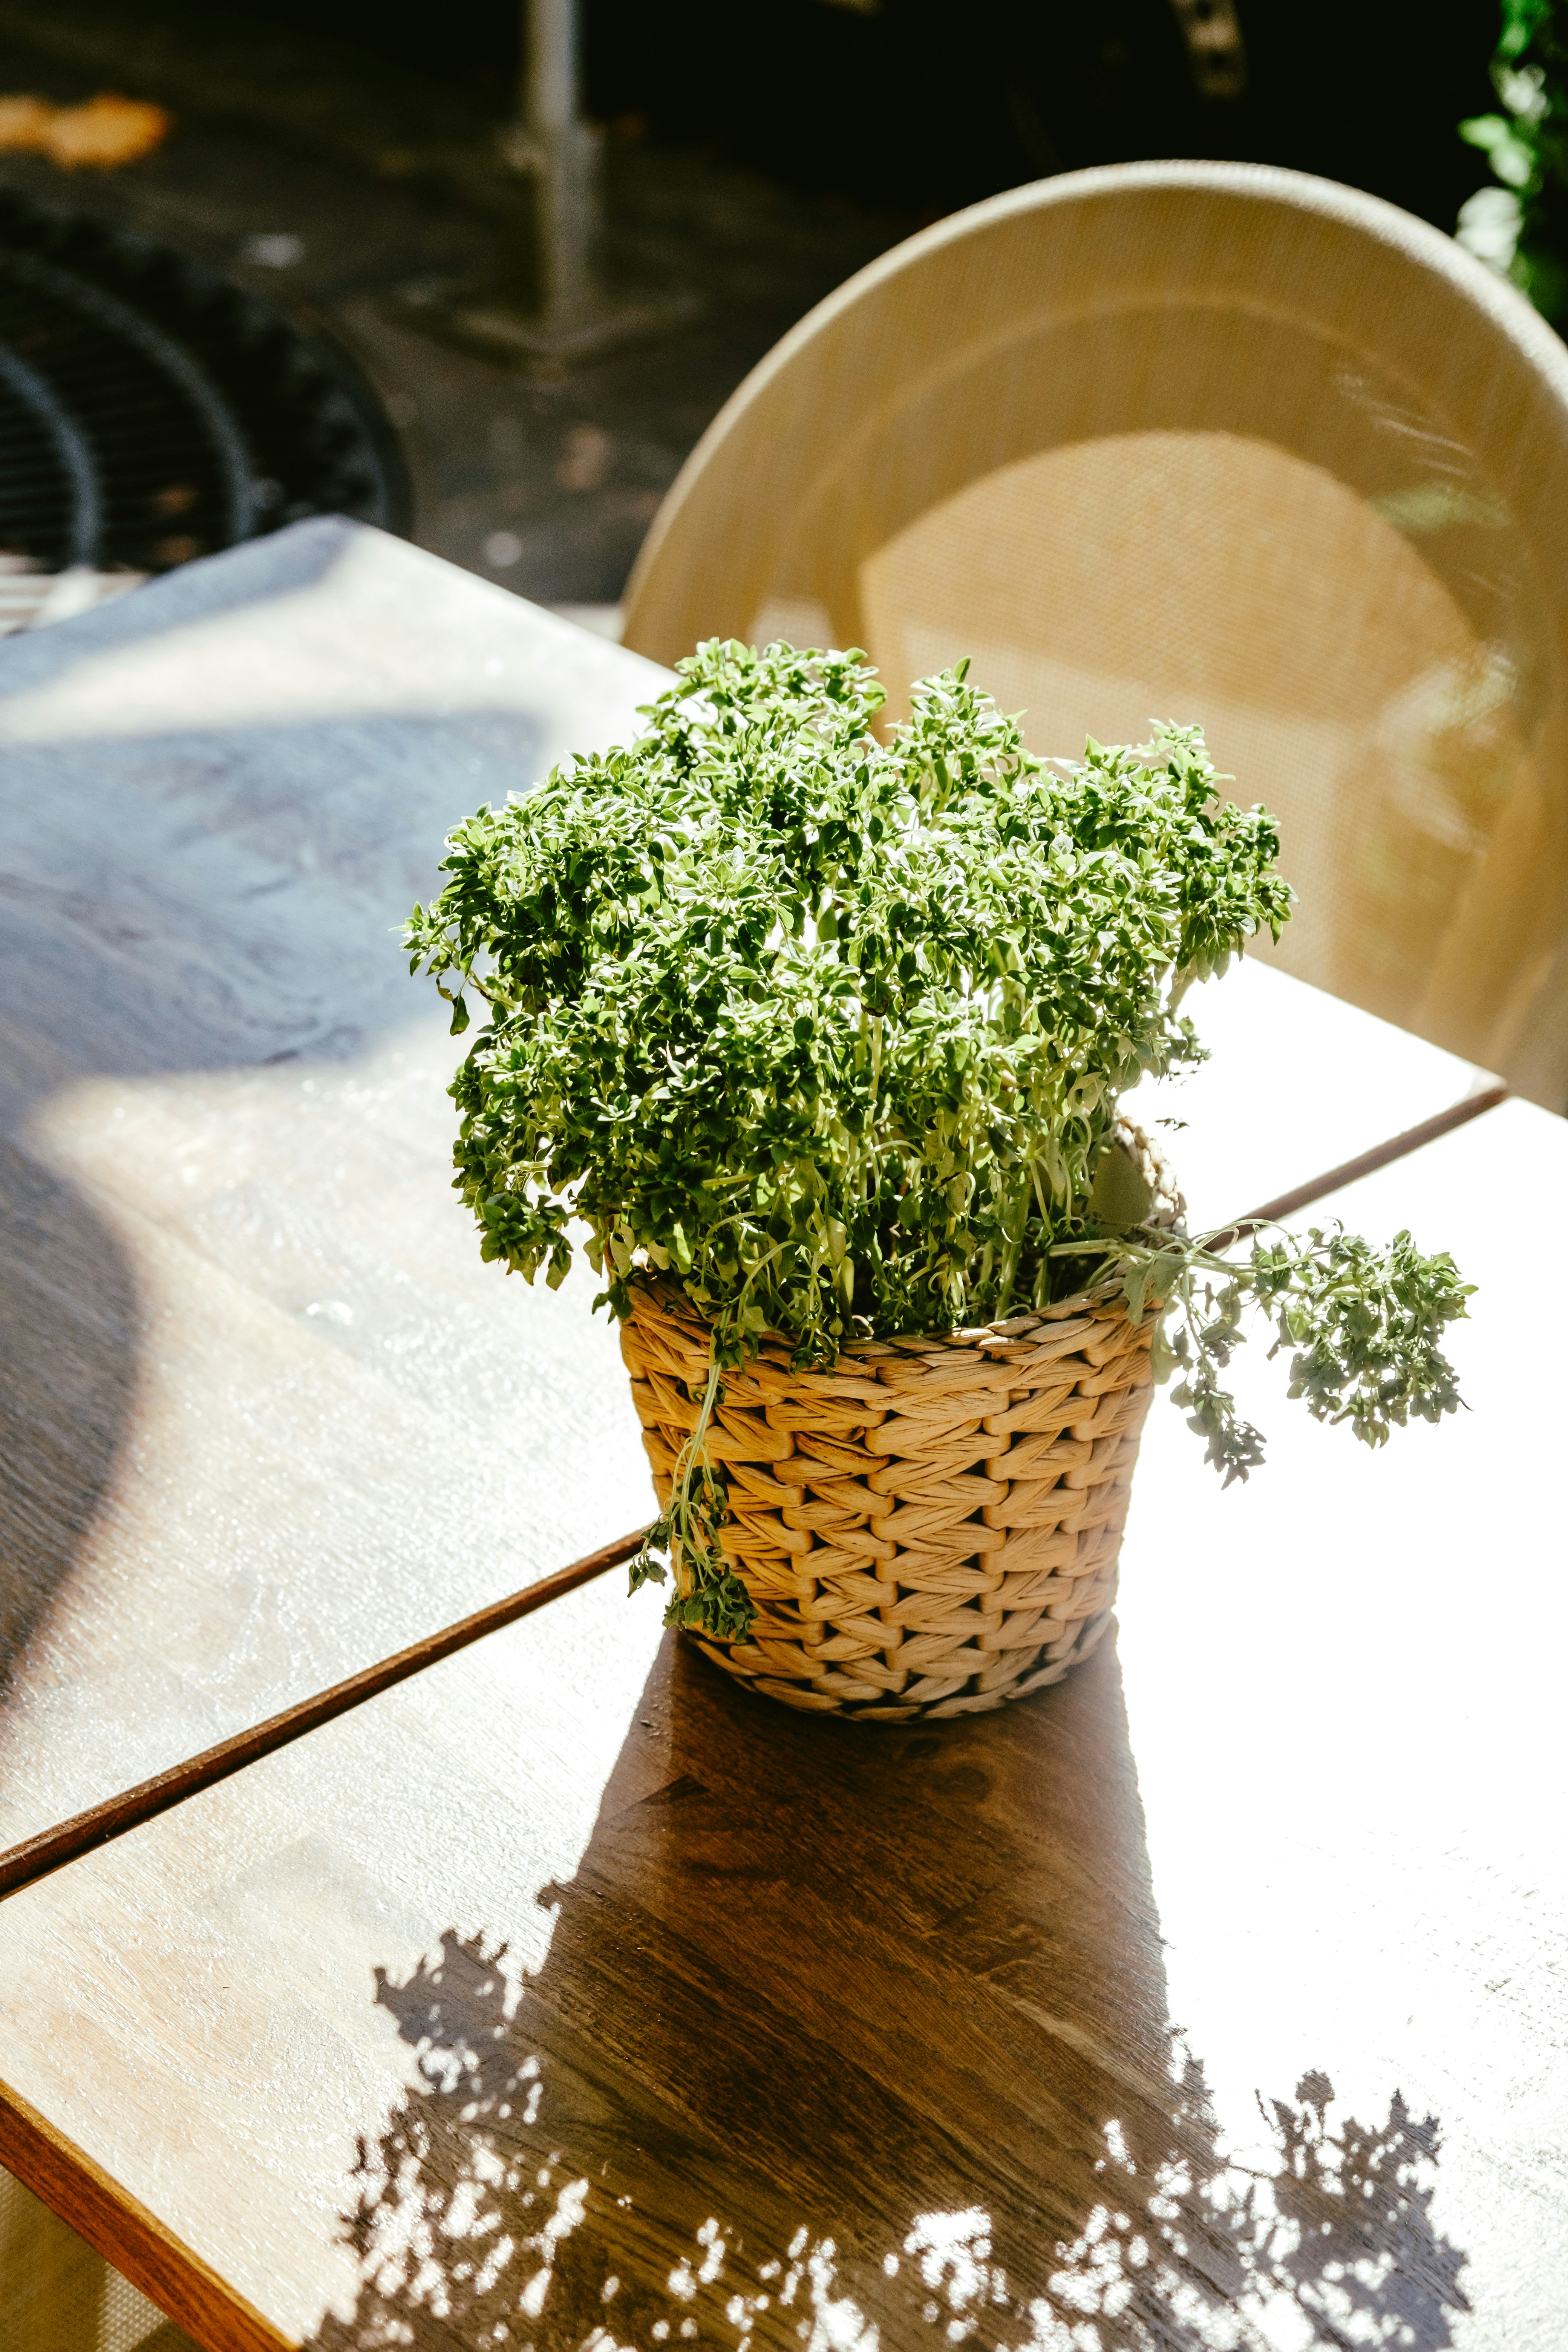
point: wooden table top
(1298, 1084)
(266, 1417)
(1213, 1997)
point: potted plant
(818, 1040)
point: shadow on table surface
(217, 799)
(853, 2039)
(67, 1348)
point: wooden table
(897, 2014)
(265, 1415)
(958, 2016)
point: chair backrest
(1202, 442)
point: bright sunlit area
(783, 980)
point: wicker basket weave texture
(933, 1527)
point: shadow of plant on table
(470, 2234)
(869, 2058)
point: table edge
(91, 2201)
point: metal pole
(565, 154)
(552, 309)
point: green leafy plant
(832, 1032)
(1519, 225)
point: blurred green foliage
(1519, 225)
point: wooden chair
(1202, 442)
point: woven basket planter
(933, 1527)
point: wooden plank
(1342, 1690)
(35, 1857)
(85, 1832)
(1365, 1163)
(1298, 1085)
(957, 2027)
(265, 1416)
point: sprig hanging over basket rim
(832, 1030)
(1365, 1325)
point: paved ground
(333, 182)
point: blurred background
(259, 262)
